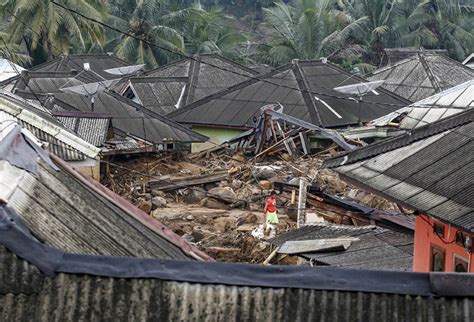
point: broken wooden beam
(184, 182)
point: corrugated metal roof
(98, 63)
(238, 105)
(429, 169)
(376, 248)
(26, 292)
(422, 75)
(45, 127)
(187, 81)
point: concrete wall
(426, 238)
(216, 135)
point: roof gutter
(135, 212)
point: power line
(215, 66)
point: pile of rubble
(217, 202)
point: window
(459, 264)
(460, 239)
(438, 256)
(438, 229)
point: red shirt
(270, 205)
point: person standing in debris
(270, 210)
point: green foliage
(46, 29)
(352, 33)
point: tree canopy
(155, 32)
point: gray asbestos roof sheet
(64, 213)
(429, 169)
(422, 75)
(304, 88)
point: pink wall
(425, 238)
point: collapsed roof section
(433, 108)
(172, 86)
(422, 75)
(429, 169)
(369, 247)
(305, 89)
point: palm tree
(211, 31)
(441, 24)
(49, 30)
(310, 29)
(153, 39)
(12, 52)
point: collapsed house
(430, 170)
(58, 207)
(305, 90)
(422, 75)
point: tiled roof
(98, 63)
(429, 169)
(306, 93)
(422, 75)
(187, 81)
(92, 127)
(376, 248)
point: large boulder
(225, 193)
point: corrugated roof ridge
(304, 88)
(396, 142)
(193, 79)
